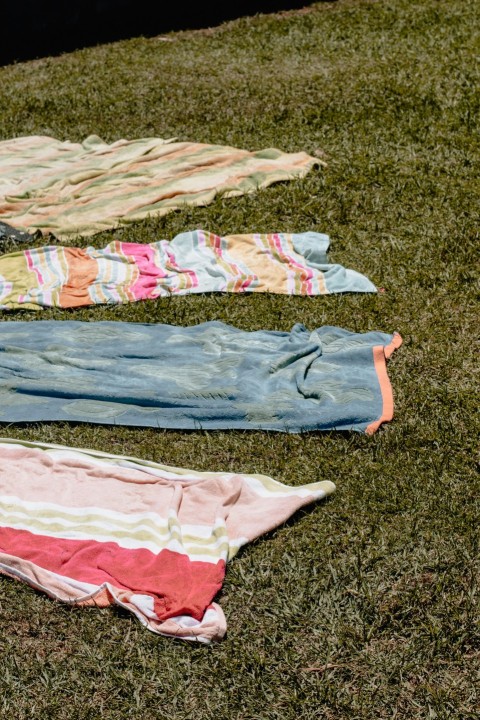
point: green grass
(366, 606)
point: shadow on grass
(34, 29)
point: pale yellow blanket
(71, 189)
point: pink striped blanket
(193, 262)
(94, 529)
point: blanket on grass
(72, 189)
(89, 528)
(193, 262)
(207, 376)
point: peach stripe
(380, 355)
(82, 273)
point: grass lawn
(364, 606)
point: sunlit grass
(365, 606)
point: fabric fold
(193, 262)
(94, 529)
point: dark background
(30, 29)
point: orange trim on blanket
(380, 355)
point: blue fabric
(313, 247)
(206, 376)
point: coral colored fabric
(89, 528)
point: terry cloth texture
(193, 262)
(72, 189)
(207, 376)
(89, 528)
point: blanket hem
(105, 595)
(381, 354)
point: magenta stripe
(307, 272)
(31, 266)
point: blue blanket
(206, 376)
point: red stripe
(178, 585)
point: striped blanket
(193, 262)
(72, 189)
(89, 528)
(210, 376)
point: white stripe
(108, 519)
(161, 537)
(314, 490)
